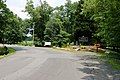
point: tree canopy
(10, 25)
(106, 14)
(98, 20)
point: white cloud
(18, 5)
(55, 3)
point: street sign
(29, 35)
(83, 39)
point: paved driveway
(30, 63)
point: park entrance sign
(83, 39)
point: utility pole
(33, 32)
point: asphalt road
(30, 63)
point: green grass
(112, 58)
(114, 63)
(11, 51)
(26, 43)
(2, 56)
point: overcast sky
(18, 5)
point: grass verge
(11, 51)
(26, 43)
(112, 58)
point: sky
(17, 6)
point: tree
(39, 16)
(55, 34)
(53, 28)
(2, 20)
(83, 25)
(10, 31)
(63, 39)
(106, 14)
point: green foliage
(106, 14)
(53, 27)
(112, 58)
(52, 30)
(11, 50)
(10, 25)
(26, 43)
(3, 51)
(39, 16)
(61, 39)
(49, 23)
(98, 19)
(115, 63)
(84, 25)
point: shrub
(26, 43)
(4, 51)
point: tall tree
(10, 29)
(39, 15)
(106, 13)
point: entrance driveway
(30, 63)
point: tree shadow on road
(97, 69)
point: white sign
(29, 35)
(47, 43)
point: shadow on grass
(98, 71)
(18, 48)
